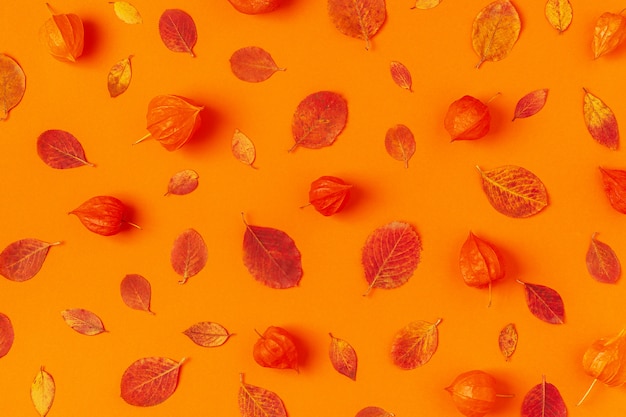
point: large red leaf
(259, 402)
(61, 150)
(136, 292)
(602, 262)
(189, 254)
(358, 18)
(7, 334)
(545, 303)
(319, 119)
(150, 381)
(178, 31)
(543, 400)
(21, 260)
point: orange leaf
(243, 148)
(189, 254)
(390, 255)
(544, 303)
(602, 262)
(605, 361)
(136, 292)
(183, 182)
(150, 381)
(104, 215)
(514, 191)
(543, 400)
(400, 143)
(319, 119)
(614, 184)
(172, 120)
(495, 31)
(401, 75)
(61, 150)
(374, 412)
(531, 103)
(119, 77)
(507, 340)
(207, 334)
(83, 321)
(559, 14)
(178, 31)
(126, 12)
(473, 392)
(480, 263)
(467, 119)
(415, 344)
(608, 33)
(329, 195)
(63, 35)
(600, 120)
(7, 335)
(22, 259)
(253, 64)
(359, 19)
(12, 85)
(426, 4)
(259, 402)
(42, 392)
(343, 357)
(276, 348)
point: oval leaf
(83, 321)
(401, 75)
(178, 31)
(172, 121)
(495, 31)
(545, 303)
(150, 381)
(21, 260)
(359, 19)
(600, 121)
(559, 14)
(7, 335)
(12, 85)
(400, 143)
(426, 4)
(253, 64)
(42, 392)
(189, 254)
(531, 103)
(119, 77)
(258, 402)
(602, 262)
(136, 292)
(61, 150)
(608, 33)
(127, 13)
(614, 185)
(243, 148)
(319, 119)
(207, 334)
(415, 344)
(374, 412)
(543, 400)
(343, 357)
(514, 191)
(507, 340)
(390, 255)
(183, 182)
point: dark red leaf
(545, 303)
(401, 75)
(543, 400)
(150, 381)
(22, 259)
(319, 119)
(178, 31)
(614, 184)
(531, 103)
(61, 150)
(189, 254)
(6, 334)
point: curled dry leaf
(495, 31)
(21, 260)
(426, 4)
(63, 35)
(608, 33)
(543, 400)
(559, 14)
(126, 12)
(343, 357)
(401, 75)
(390, 255)
(415, 344)
(119, 77)
(104, 215)
(514, 191)
(359, 19)
(253, 64)
(544, 303)
(42, 391)
(467, 119)
(400, 143)
(319, 119)
(329, 194)
(150, 381)
(207, 334)
(480, 263)
(602, 262)
(507, 340)
(12, 85)
(473, 392)
(374, 412)
(276, 349)
(178, 31)
(531, 103)
(83, 321)
(7, 335)
(189, 254)
(243, 148)
(183, 182)
(614, 185)
(600, 121)
(259, 402)
(136, 292)
(61, 150)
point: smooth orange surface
(440, 194)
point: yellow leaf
(559, 14)
(126, 12)
(42, 392)
(495, 31)
(608, 33)
(243, 148)
(426, 4)
(119, 77)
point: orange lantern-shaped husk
(276, 349)
(64, 36)
(473, 393)
(172, 120)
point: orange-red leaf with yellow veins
(253, 64)
(495, 30)
(150, 381)
(543, 400)
(189, 254)
(358, 18)
(22, 259)
(259, 402)
(614, 184)
(343, 357)
(600, 121)
(7, 334)
(401, 75)
(544, 303)
(318, 120)
(415, 344)
(400, 143)
(602, 262)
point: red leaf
(374, 412)
(136, 292)
(401, 75)
(319, 119)
(259, 402)
(150, 381)
(600, 121)
(531, 103)
(104, 215)
(272, 257)
(415, 344)
(390, 255)
(7, 335)
(22, 259)
(602, 262)
(178, 31)
(243, 148)
(83, 321)
(400, 143)
(207, 334)
(189, 254)
(329, 195)
(543, 400)
(507, 340)
(61, 150)
(358, 18)
(183, 182)
(343, 357)
(253, 64)
(545, 303)
(614, 184)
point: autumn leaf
(243, 148)
(136, 292)
(608, 33)
(253, 64)
(183, 182)
(400, 143)
(276, 348)
(359, 19)
(559, 14)
(467, 119)
(207, 334)
(259, 402)
(271, 257)
(103, 215)
(150, 381)
(329, 194)
(614, 185)
(531, 103)
(426, 4)
(22, 259)
(390, 255)
(7, 334)
(318, 120)
(514, 191)
(602, 262)
(374, 412)
(543, 400)
(63, 35)
(83, 321)
(544, 303)
(495, 31)
(343, 357)
(126, 12)
(61, 150)
(42, 391)
(600, 121)
(178, 31)
(254, 7)
(507, 340)
(415, 344)
(12, 85)
(473, 392)
(480, 263)
(119, 77)
(189, 254)
(401, 75)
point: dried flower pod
(329, 195)
(63, 35)
(467, 119)
(473, 393)
(605, 361)
(104, 215)
(276, 349)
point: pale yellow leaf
(127, 13)
(42, 392)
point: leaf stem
(490, 295)
(147, 136)
(587, 393)
(136, 226)
(505, 395)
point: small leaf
(543, 400)
(531, 103)
(12, 85)
(172, 120)
(178, 31)
(614, 185)
(83, 321)
(401, 75)
(61, 150)
(426, 4)
(22, 259)
(189, 254)
(42, 392)
(259, 402)
(63, 35)
(103, 215)
(253, 64)
(7, 335)
(329, 194)
(319, 119)
(119, 77)
(602, 262)
(495, 31)
(600, 121)
(183, 182)
(150, 381)
(507, 340)
(400, 143)
(390, 255)
(514, 191)
(243, 148)
(126, 12)
(415, 344)
(343, 357)
(544, 303)
(136, 292)
(207, 334)
(374, 412)
(559, 14)
(608, 33)
(359, 19)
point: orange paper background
(440, 194)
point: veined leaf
(126, 12)
(42, 391)
(614, 184)
(22, 259)
(136, 292)
(374, 412)
(183, 182)
(83, 321)
(559, 14)
(319, 119)
(401, 75)
(400, 143)
(602, 262)
(178, 31)
(600, 121)
(12, 84)
(253, 64)
(495, 31)
(61, 150)
(544, 303)
(531, 103)
(243, 148)
(343, 357)
(415, 344)
(119, 77)
(507, 340)
(7, 335)
(259, 402)
(207, 334)
(189, 254)
(358, 18)
(150, 381)
(543, 400)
